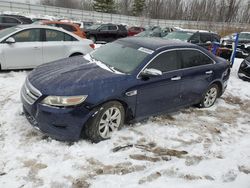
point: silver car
(27, 46)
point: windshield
(7, 31)
(244, 36)
(120, 56)
(179, 35)
(95, 26)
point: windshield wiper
(113, 69)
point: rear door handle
(176, 78)
(209, 72)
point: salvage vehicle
(243, 48)
(244, 70)
(27, 46)
(123, 81)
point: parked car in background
(106, 32)
(244, 70)
(202, 38)
(135, 30)
(86, 24)
(129, 79)
(67, 26)
(83, 24)
(7, 20)
(27, 46)
(243, 48)
(155, 32)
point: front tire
(109, 119)
(210, 96)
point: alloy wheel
(109, 122)
(210, 97)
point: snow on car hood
(72, 76)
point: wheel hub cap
(210, 97)
(110, 122)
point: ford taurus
(129, 79)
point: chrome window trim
(169, 50)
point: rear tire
(110, 118)
(210, 96)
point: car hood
(72, 76)
(240, 40)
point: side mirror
(148, 73)
(10, 40)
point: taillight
(92, 46)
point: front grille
(30, 93)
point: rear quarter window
(194, 58)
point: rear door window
(112, 28)
(104, 28)
(167, 61)
(194, 58)
(53, 35)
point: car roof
(31, 26)
(35, 26)
(58, 22)
(195, 31)
(155, 43)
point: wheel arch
(220, 85)
(76, 54)
(129, 113)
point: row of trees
(195, 10)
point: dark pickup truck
(106, 32)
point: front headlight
(63, 101)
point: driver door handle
(209, 72)
(176, 78)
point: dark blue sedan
(129, 79)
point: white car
(27, 46)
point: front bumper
(63, 124)
(244, 71)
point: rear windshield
(120, 56)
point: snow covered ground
(190, 148)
